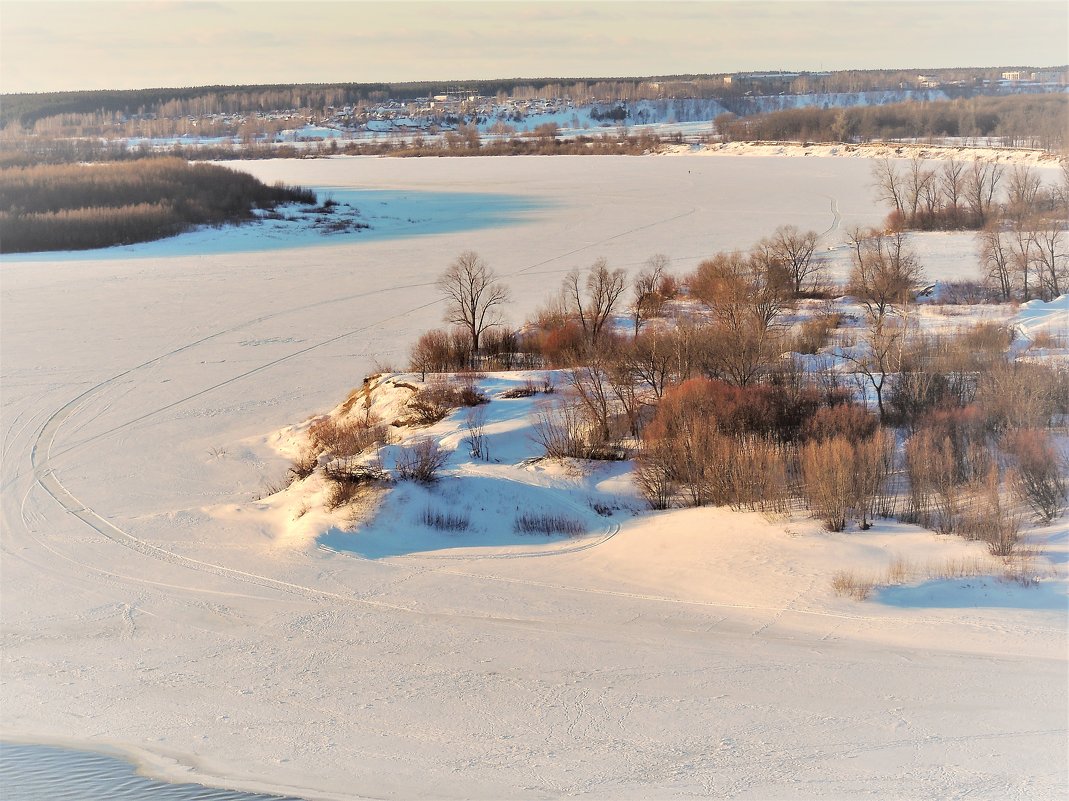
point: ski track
(45, 476)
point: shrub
(436, 352)
(1039, 474)
(936, 491)
(421, 461)
(1022, 395)
(757, 474)
(561, 431)
(654, 474)
(544, 523)
(444, 521)
(475, 425)
(345, 437)
(304, 465)
(560, 345)
(828, 476)
(846, 583)
(433, 402)
(342, 491)
(815, 333)
(914, 394)
(991, 521)
(528, 389)
(355, 471)
(848, 420)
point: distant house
(1015, 75)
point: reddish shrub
(561, 345)
(1039, 474)
(848, 420)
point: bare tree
(1022, 191)
(1052, 257)
(595, 299)
(952, 185)
(885, 271)
(981, 182)
(890, 186)
(648, 299)
(651, 360)
(878, 356)
(792, 251)
(1022, 254)
(474, 294)
(917, 183)
(746, 301)
(996, 259)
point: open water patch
(48, 773)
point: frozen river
(145, 609)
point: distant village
(647, 103)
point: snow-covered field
(150, 604)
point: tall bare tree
(746, 301)
(1052, 257)
(919, 180)
(981, 183)
(952, 185)
(474, 295)
(646, 287)
(594, 298)
(792, 250)
(996, 259)
(1022, 191)
(890, 186)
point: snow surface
(150, 604)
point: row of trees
(1025, 120)
(1023, 243)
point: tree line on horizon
(27, 107)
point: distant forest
(1037, 121)
(78, 206)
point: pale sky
(99, 44)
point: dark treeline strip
(77, 206)
(1020, 120)
(36, 151)
(82, 229)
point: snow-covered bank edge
(172, 767)
(869, 151)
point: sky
(47, 45)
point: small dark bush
(432, 403)
(421, 461)
(304, 465)
(346, 437)
(341, 493)
(530, 523)
(444, 521)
